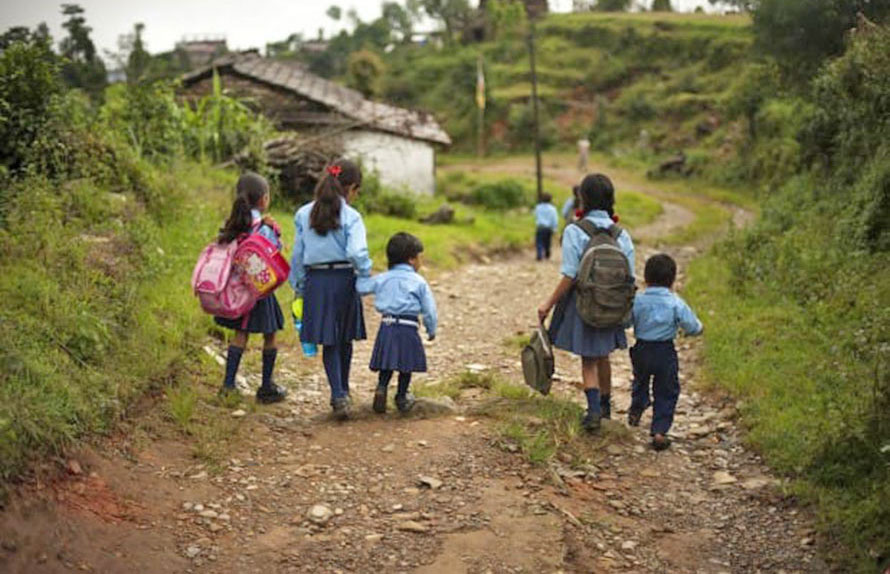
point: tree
(400, 20)
(40, 36)
(83, 68)
(334, 13)
(741, 5)
(365, 72)
(452, 14)
(662, 6)
(801, 34)
(139, 59)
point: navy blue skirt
(569, 333)
(332, 308)
(265, 317)
(398, 348)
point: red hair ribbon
(335, 170)
(615, 218)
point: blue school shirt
(546, 216)
(574, 240)
(402, 291)
(568, 208)
(349, 242)
(658, 313)
(265, 230)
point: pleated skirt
(265, 317)
(398, 348)
(569, 333)
(332, 308)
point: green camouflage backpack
(537, 361)
(605, 284)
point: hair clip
(335, 170)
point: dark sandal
(660, 444)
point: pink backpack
(260, 263)
(221, 289)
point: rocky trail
(443, 490)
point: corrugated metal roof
(343, 100)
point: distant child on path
(657, 314)
(265, 317)
(400, 295)
(330, 252)
(546, 224)
(567, 330)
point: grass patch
(516, 342)
(808, 394)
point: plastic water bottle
(309, 349)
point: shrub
(504, 194)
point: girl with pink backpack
(244, 222)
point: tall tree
(83, 68)
(452, 14)
(801, 34)
(139, 59)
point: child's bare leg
(268, 341)
(240, 339)
(604, 375)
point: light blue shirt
(265, 230)
(402, 291)
(658, 313)
(574, 240)
(546, 216)
(349, 242)
(568, 208)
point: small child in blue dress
(266, 316)
(400, 295)
(657, 314)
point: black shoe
(660, 442)
(405, 402)
(633, 417)
(341, 408)
(380, 400)
(606, 406)
(271, 394)
(591, 422)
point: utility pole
(537, 130)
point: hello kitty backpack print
(222, 289)
(260, 263)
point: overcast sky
(245, 24)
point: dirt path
(441, 491)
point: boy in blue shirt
(546, 223)
(400, 295)
(657, 314)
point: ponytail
(240, 221)
(339, 177)
(251, 188)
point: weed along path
(484, 477)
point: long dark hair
(597, 193)
(337, 179)
(249, 191)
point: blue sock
(404, 382)
(269, 356)
(383, 379)
(233, 360)
(593, 400)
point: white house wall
(402, 163)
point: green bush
(504, 194)
(374, 198)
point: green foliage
(801, 34)
(148, 116)
(612, 5)
(662, 6)
(29, 85)
(139, 60)
(365, 71)
(375, 199)
(82, 66)
(219, 126)
(505, 194)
